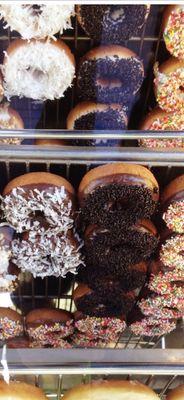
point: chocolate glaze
(42, 187)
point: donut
(20, 342)
(59, 343)
(176, 393)
(159, 120)
(112, 389)
(44, 253)
(112, 23)
(117, 195)
(172, 204)
(37, 20)
(152, 327)
(10, 119)
(90, 116)
(50, 142)
(172, 252)
(173, 30)
(38, 193)
(122, 248)
(96, 304)
(168, 282)
(169, 78)
(40, 70)
(8, 271)
(108, 329)
(20, 391)
(10, 323)
(162, 306)
(48, 326)
(80, 340)
(110, 74)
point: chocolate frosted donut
(98, 304)
(91, 116)
(28, 196)
(110, 74)
(112, 23)
(112, 278)
(11, 324)
(173, 28)
(172, 205)
(117, 195)
(48, 326)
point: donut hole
(36, 74)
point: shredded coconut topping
(39, 23)
(174, 216)
(172, 252)
(20, 205)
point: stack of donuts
(41, 209)
(117, 201)
(162, 301)
(110, 75)
(169, 84)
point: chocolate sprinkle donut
(112, 23)
(117, 206)
(128, 72)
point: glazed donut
(173, 30)
(176, 394)
(169, 78)
(10, 119)
(47, 327)
(10, 323)
(112, 389)
(37, 20)
(40, 70)
(162, 306)
(20, 391)
(44, 253)
(38, 193)
(90, 116)
(172, 252)
(95, 304)
(159, 120)
(172, 204)
(165, 283)
(110, 74)
(113, 280)
(108, 329)
(112, 23)
(122, 248)
(149, 326)
(117, 195)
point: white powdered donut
(37, 21)
(39, 70)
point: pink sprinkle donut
(174, 216)
(152, 327)
(172, 252)
(105, 328)
(162, 306)
(169, 282)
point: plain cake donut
(37, 69)
(19, 391)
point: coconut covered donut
(49, 326)
(110, 74)
(112, 23)
(149, 326)
(8, 272)
(41, 70)
(108, 329)
(159, 120)
(173, 30)
(10, 119)
(46, 253)
(117, 195)
(172, 252)
(169, 78)
(165, 283)
(90, 116)
(28, 196)
(37, 20)
(124, 248)
(97, 304)
(172, 204)
(112, 389)
(10, 323)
